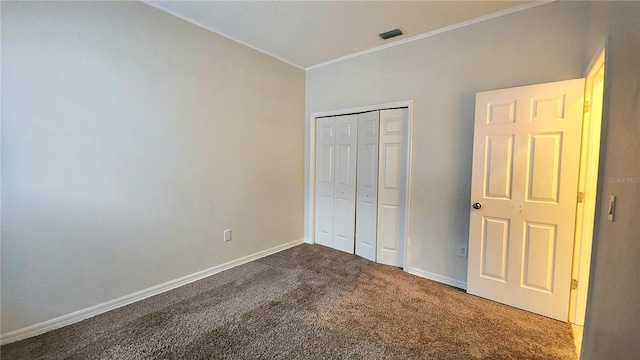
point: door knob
(477, 205)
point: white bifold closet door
(366, 152)
(326, 143)
(336, 181)
(392, 172)
(367, 185)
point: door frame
(311, 160)
(585, 217)
(580, 256)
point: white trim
(310, 186)
(409, 184)
(602, 48)
(439, 278)
(434, 32)
(310, 211)
(359, 53)
(600, 196)
(207, 27)
(361, 109)
(589, 186)
(92, 311)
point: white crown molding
(92, 311)
(206, 27)
(363, 52)
(434, 32)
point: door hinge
(574, 284)
(586, 107)
(580, 197)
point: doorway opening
(587, 193)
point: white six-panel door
(524, 181)
(367, 185)
(390, 245)
(336, 139)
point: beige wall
(442, 74)
(613, 307)
(130, 140)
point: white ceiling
(308, 33)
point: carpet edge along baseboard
(77, 316)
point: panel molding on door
(391, 192)
(344, 210)
(336, 139)
(525, 176)
(325, 148)
(367, 185)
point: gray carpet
(308, 302)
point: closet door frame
(311, 165)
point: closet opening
(360, 165)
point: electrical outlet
(462, 251)
(227, 235)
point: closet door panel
(367, 185)
(325, 184)
(390, 244)
(344, 210)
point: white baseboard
(83, 314)
(436, 277)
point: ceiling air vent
(391, 33)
